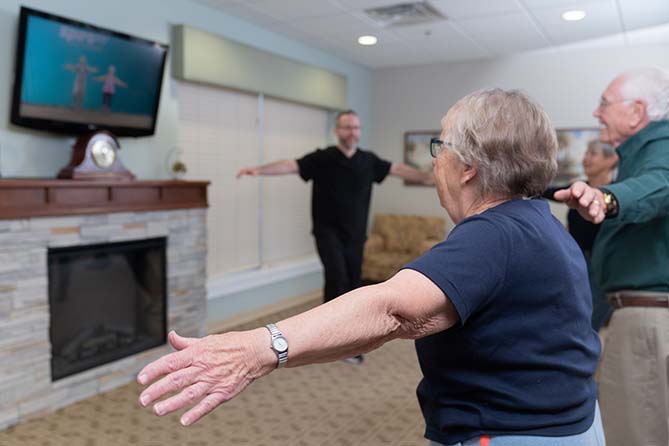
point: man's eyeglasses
(603, 103)
(437, 146)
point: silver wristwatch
(279, 344)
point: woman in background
(599, 163)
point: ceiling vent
(404, 14)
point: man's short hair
(650, 84)
(344, 113)
(509, 138)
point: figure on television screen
(109, 87)
(79, 88)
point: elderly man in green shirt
(630, 257)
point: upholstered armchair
(396, 240)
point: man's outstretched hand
(251, 171)
(588, 201)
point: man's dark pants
(341, 256)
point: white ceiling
(474, 29)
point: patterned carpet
(331, 404)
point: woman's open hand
(205, 372)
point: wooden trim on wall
(24, 198)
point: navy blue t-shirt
(521, 360)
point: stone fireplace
(56, 239)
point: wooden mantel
(23, 198)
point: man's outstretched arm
(282, 167)
(412, 174)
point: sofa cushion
(405, 233)
(395, 240)
(383, 266)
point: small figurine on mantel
(175, 167)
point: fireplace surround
(42, 216)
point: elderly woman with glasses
(500, 310)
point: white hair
(650, 84)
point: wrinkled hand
(206, 371)
(588, 201)
(251, 171)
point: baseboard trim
(247, 280)
(315, 296)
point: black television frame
(71, 127)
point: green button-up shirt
(631, 251)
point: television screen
(74, 78)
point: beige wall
(568, 85)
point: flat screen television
(75, 78)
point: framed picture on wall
(572, 144)
(417, 150)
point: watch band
(610, 204)
(276, 334)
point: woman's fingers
(208, 403)
(168, 384)
(188, 396)
(165, 365)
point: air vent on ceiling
(405, 14)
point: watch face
(104, 153)
(280, 344)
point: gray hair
(650, 84)
(510, 140)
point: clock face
(280, 344)
(103, 153)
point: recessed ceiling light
(573, 16)
(367, 40)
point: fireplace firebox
(107, 301)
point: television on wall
(75, 78)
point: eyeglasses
(437, 146)
(603, 103)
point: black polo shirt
(342, 188)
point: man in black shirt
(342, 178)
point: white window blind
(290, 131)
(218, 135)
(251, 222)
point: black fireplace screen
(107, 301)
